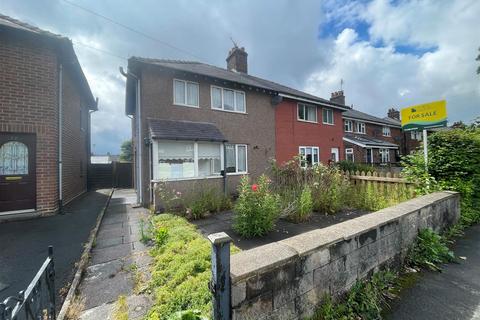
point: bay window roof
(184, 130)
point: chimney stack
(338, 97)
(393, 114)
(237, 60)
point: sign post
(422, 117)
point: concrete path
(23, 244)
(453, 294)
(119, 262)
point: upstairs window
(360, 127)
(228, 100)
(185, 93)
(386, 132)
(307, 112)
(309, 156)
(348, 126)
(416, 135)
(327, 116)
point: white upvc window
(185, 93)
(306, 112)
(309, 156)
(384, 155)
(227, 99)
(173, 160)
(236, 158)
(327, 115)
(349, 156)
(348, 126)
(360, 127)
(386, 132)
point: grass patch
(121, 309)
(430, 251)
(181, 268)
(365, 300)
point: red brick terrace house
(194, 121)
(45, 104)
(371, 140)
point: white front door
(335, 155)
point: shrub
(350, 166)
(304, 207)
(256, 209)
(329, 189)
(429, 251)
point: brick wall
(291, 133)
(75, 139)
(289, 279)
(28, 103)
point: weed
(430, 251)
(121, 309)
(75, 308)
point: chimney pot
(338, 97)
(393, 114)
(237, 60)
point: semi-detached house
(194, 121)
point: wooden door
(17, 172)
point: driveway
(453, 294)
(24, 244)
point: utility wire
(99, 50)
(131, 29)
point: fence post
(220, 283)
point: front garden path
(283, 228)
(118, 264)
(451, 294)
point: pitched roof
(236, 77)
(62, 45)
(355, 114)
(368, 142)
(184, 130)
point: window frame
(307, 105)
(235, 92)
(384, 155)
(345, 125)
(349, 151)
(236, 159)
(313, 148)
(362, 125)
(185, 83)
(323, 118)
(386, 131)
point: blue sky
(388, 53)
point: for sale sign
(424, 116)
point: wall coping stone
(251, 262)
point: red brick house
(372, 140)
(193, 121)
(45, 104)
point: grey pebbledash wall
(289, 278)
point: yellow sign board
(424, 116)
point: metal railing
(37, 302)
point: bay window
(185, 93)
(186, 159)
(309, 156)
(385, 155)
(227, 99)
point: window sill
(237, 173)
(229, 111)
(328, 124)
(185, 105)
(314, 122)
(184, 179)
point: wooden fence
(388, 184)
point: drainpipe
(60, 139)
(225, 191)
(139, 133)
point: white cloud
(377, 77)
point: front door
(17, 172)
(369, 158)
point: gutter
(139, 133)
(60, 139)
(314, 102)
(368, 146)
(373, 122)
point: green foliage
(330, 189)
(126, 151)
(188, 315)
(146, 231)
(160, 236)
(430, 251)
(453, 164)
(256, 209)
(365, 300)
(350, 166)
(181, 269)
(305, 205)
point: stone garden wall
(289, 278)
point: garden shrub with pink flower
(256, 209)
